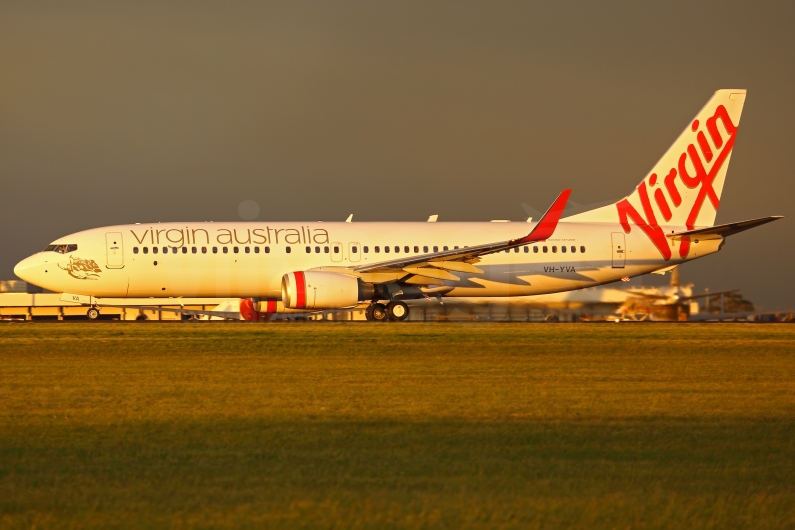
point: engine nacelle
(322, 290)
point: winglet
(549, 221)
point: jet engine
(323, 290)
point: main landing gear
(394, 311)
(93, 313)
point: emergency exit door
(354, 252)
(619, 250)
(115, 250)
(336, 252)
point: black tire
(397, 311)
(142, 317)
(378, 312)
(92, 313)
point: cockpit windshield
(61, 249)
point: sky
(121, 112)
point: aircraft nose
(28, 270)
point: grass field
(411, 425)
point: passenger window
(366, 249)
(204, 250)
(544, 249)
(377, 249)
(554, 249)
(436, 249)
(354, 250)
(456, 247)
(573, 249)
(445, 247)
(173, 250)
(154, 250)
(235, 250)
(406, 250)
(386, 249)
(416, 249)
(317, 250)
(535, 250)
(563, 249)
(325, 249)
(165, 250)
(507, 250)
(336, 250)
(193, 250)
(248, 250)
(135, 250)
(308, 250)
(226, 250)
(526, 249)
(397, 250)
(256, 250)
(289, 249)
(425, 249)
(184, 250)
(582, 249)
(267, 250)
(146, 250)
(516, 249)
(215, 250)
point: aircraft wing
(719, 231)
(436, 264)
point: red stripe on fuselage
(300, 290)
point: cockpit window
(61, 249)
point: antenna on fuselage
(349, 219)
(433, 218)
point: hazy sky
(117, 112)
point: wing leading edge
(462, 259)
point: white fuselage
(190, 260)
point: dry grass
(411, 425)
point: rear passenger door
(619, 250)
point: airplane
(667, 220)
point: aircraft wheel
(142, 317)
(92, 313)
(377, 313)
(397, 311)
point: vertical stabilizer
(684, 186)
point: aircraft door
(336, 252)
(619, 250)
(115, 250)
(354, 251)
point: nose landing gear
(93, 313)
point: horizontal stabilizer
(719, 231)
